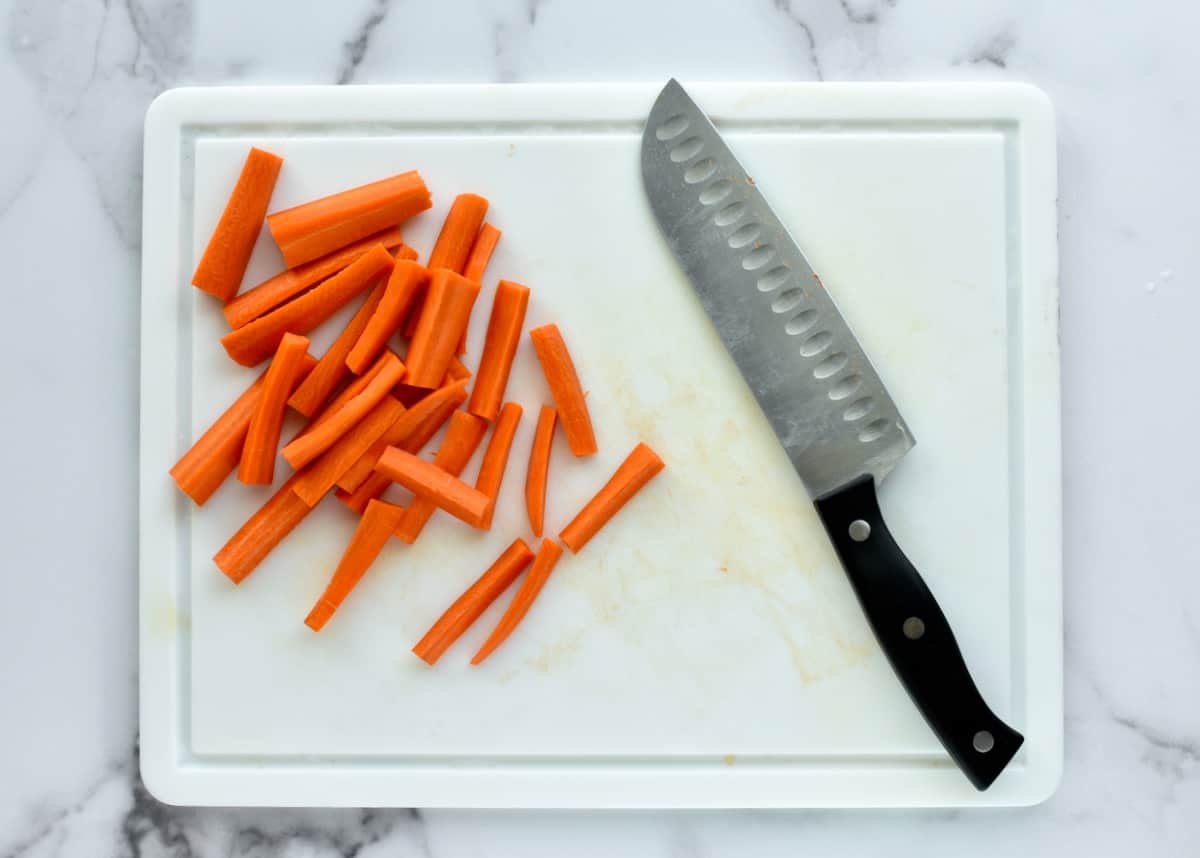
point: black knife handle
(914, 633)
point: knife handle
(914, 633)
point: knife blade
(824, 400)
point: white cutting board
(705, 649)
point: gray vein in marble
(994, 52)
(356, 48)
(785, 6)
(532, 7)
(1179, 752)
(54, 824)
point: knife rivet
(859, 530)
(983, 741)
(914, 628)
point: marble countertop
(76, 78)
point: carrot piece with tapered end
(481, 252)
(216, 453)
(563, 380)
(274, 291)
(331, 369)
(319, 476)
(463, 435)
(402, 285)
(543, 565)
(228, 252)
(453, 245)
(407, 253)
(262, 436)
(311, 230)
(373, 486)
(264, 530)
(419, 423)
(499, 349)
(476, 599)
(426, 479)
(539, 467)
(255, 340)
(457, 371)
(372, 533)
(312, 444)
(639, 467)
(495, 458)
(447, 310)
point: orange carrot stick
(407, 253)
(261, 533)
(560, 374)
(476, 599)
(426, 479)
(313, 229)
(539, 466)
(499, 349)
(457, 371)
(262, 437)
(402, 285)
(543, 565)
(351, 390)
(481, 252)
(216, 454)
(319, 477)
(639, 467)
(331, 369)
(373, 486)
(463, 435)
(320, 438)
(255, 340)
(458, 233)
(419, 423)
(495, 458)
(224, 261)
(447, 311)
(269, 294)
(370, 536)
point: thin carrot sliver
(264, 530)
(257, 466)
(228, 252)
(433, 410)
(402, 286)
(274, 291)
(372, 533)
(639, 467)
(560, 374)
(308, 446)
(311, 230)
(216, 454)
(447, 311)
(481, 252)
(499, 349)
(255, 340)
(495, 458)
(463, 435)
(539, 467)
(320, 476)
(351, 390)
(543, 565)
(426, 479)
(476, 599)
(373, 486)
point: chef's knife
(824, 400)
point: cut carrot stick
(426, 479)
(319, 477)
(331, 369)
(311, 444)
(351, 390)
(499, 349)
(402, 285)
(481, 252)
(427, 415)
(373, 486)
(476, 599)
(408, 253)
(543, 565)
(447, 310)
(322, 226)
(457, 371)
(463, 435)
(370, 536)
(216, 454)
(539, 466)
(261, 533)
(255, 340)
(257, 466)
(560, 374)
(495, 458)
(639, 467)
(271, 293)
(459, 230)
(224, 261)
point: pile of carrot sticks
(391, 380)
